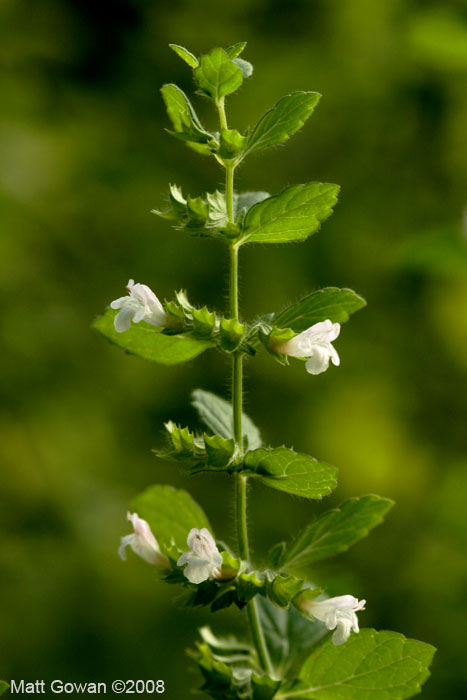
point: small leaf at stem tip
(285, 470)
(185, 55)
(335, 531)
(292, 215)
(217, 75)
(371, 665)
(235, 50)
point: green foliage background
(84, 157)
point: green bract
(290, 617)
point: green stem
(237, 401)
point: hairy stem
(237, 401)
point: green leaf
(336, 530)
(236, 49)
(171, 514)
(289, 636)
(282, 120)
(328, 303)
(182, 115)
(217, 75)
(292, 215)
(293, 472)
(185, 55)
(151, 344)
(370, 666)
(217, 414)
(3, 687)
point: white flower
(204, 559)
(141, 304)
(314, 344)
(338, 614)
(143, 543)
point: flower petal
(122, 320)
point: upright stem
(237, 400)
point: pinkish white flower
(338, 614)
(204, 560)
(141, 304)
(143, 543)
(315, 345)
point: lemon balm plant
(301, 643)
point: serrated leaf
(171, 514)
(336, 531)
(370, 666)
(235, 50)
(328, 303)
(289, 636)
(182, 115)
(293, 472)
(145, 341)
(185, 55)
(282, 120)
(292, 215)
(216, 413)
(217, 75)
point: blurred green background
(84, 157)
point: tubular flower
(315, 345)
(143, 543)
(339, 614)
(204, 560)
(141, 304)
